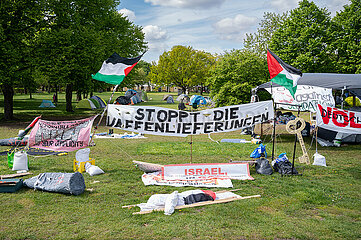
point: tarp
(47, 104)
(306, 96)
(61, 135)
(338, 120)
(170, 122)
(351, 82)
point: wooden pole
(201, 203)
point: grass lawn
(323, 203)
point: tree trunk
(78, 96)
(68, 97)
(8, 92)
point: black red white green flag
(115, 69)
(282, 73)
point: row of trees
(60, 42)
(306, 37)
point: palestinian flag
(282, 73)
(115, 68)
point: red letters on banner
(341, 118)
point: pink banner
(61, 135)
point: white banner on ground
(170, 122)
(157, 178)
(239, 171)
(338, 120)
(306, 96)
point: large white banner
(239, 171)
(306, 96)
(170, 122)
(338, 120)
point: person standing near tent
(55, 99)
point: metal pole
(294, 147)
(101, 117)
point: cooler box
(10, 185)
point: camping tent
(197, 99)
(170, 99)
(133, 95)
(165, 97)
(47, 104)
(101, 102)
(183, 97)
(87, 104)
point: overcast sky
(210, 25)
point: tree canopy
(347, 44)
(304, 38)
(234, 76)
(182, 66)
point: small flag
(115, 68)
(282, 73)
(23, 133)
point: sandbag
(20, 161)
(69, 183)
(263, 166)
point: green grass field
(323, 203)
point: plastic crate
(10, 185)
(80, 166)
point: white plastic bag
(319, 160)
(20, 161)
(93, 170)
(82, 155)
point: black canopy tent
(337, 81)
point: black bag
(284, 168)
(263, 166)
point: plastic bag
(319, 160)
(11, 159)
(259, 151)
(20, 161)
(263, 166)
(283, 165)
(93, 170)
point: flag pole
(101, 117)
(274, 124)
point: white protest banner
(239, 171)
(306, 96)
(157, 178)
(170, 122)
(61, 135)
(338, 120)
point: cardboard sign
(61, 135)
(239, 171)
(170, 122)
(338, 120)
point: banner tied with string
(338, 120)
(61, 135)
(170, 122)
